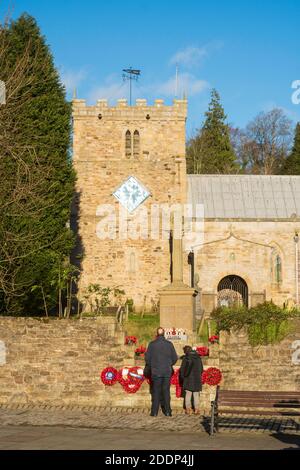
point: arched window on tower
(136, 144)
(128, 144)
(132, 263)
(278, 269)
(276, 265)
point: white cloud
(109, 91)
(112, 89)
(188, 84)
(72, 79)
(192, 56)
(189, 57)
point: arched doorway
(232, 290)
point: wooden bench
(235, 402)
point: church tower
(130, 163)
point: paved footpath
(95, 428)
(62, 438)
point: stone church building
(130, 164)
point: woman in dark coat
(190, 379)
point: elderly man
(160, 358)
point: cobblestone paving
(113, 418)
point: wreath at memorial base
(214, 339)
(140, 351)
(130, 387)
(136, 375)
(131, 379)
(178, 391)
(123, 376)
(203, 351)
(212, 376)
(130, 340)
(175, 378)
(109, 376)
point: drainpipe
(296, 240)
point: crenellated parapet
(122, 111)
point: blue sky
(248, 50)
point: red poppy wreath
(109, 376)
(212, 376)
(127, 381)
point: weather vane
(131, 74)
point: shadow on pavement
(291, 439)
(205, 423)
(276, 427)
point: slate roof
(246, 196)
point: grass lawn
(205, 333)
(144, 328)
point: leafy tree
(292, 164)
(97, 298)
(268, 142)
(243, 148)
(262, 148)
(35, 165)
(211, 151)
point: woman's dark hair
(187, 349)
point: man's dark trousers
(161, 394)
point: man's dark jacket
(160, 357)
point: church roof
(246, 196)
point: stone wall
(269, 367)
(59, 362)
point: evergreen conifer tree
(41, 129)
(292, 163)
(211, 151)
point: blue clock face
(131, 194)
